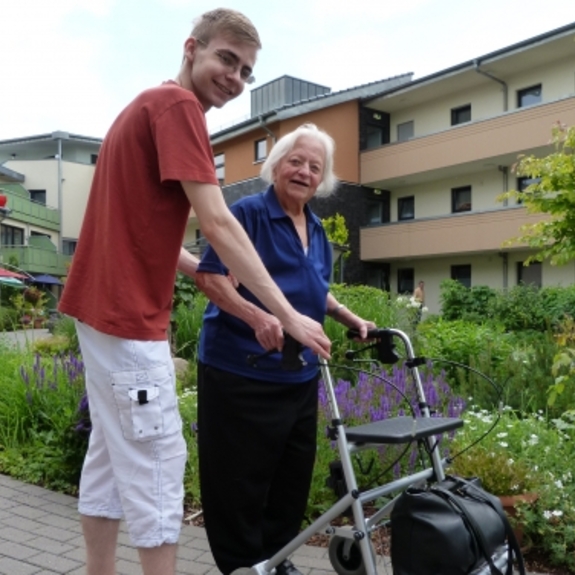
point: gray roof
(316, 103)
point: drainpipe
(266, 129)
(505, 171)
(505, 257)
(491, 77)
(60, 202)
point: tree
(338, 234)
(336, 229)
(552, 193)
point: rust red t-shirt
(122, 276)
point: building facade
(454, 138)
(47, 180)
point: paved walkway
(23, 337)
(40, 534)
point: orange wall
(341, 122)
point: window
(11, 236)
(405, 282)
(461, 115)
(462, 274)
(529, 275)
(378, 276)
(69, 247)
(405, 131)
(374, 212)
(220, 163)
(38, 196)
(529, 96)
(261, 150)
(406, 208)
(523, 183)
(93, 159)
(461, 199)
(374, 137)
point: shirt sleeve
(183, 144)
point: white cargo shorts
(134, 467)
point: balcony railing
(456, 234)
(37, 260)
(26, 211)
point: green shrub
(9, 319)
(65, 327)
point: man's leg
(137, 413)
(158, 560)
(101, 535)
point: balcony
(37, 260)
(458, 234)
(26, 211)
(465, 148)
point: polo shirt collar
(276, 211)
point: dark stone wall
(349, 200)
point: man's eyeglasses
(231, 62)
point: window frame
(405, 285)
(537, 270)
(463, 278)
(220, 166)
(401, 202)
(257, 155)
(399, 127)
(525, 92)
(458, 206)
(39, 192)
(455, 114)
(8, 230)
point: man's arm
(219, 290)
(231, 243)
(187, 263)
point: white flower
(501, 435)
(424, 309)
(559, 484)
(547, 514)
(503, 444)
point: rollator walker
(350, 548)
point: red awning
(8, 274)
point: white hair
(287, 143)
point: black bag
(450, 528)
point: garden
(501, 360)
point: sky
(73, 65)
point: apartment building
(47, 180)
(453, 139)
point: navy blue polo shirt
(226, 341)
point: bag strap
(473, 525)
(513, 544)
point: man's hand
(310, 333)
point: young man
(155, 161)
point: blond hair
(229, 23)
(287, 143)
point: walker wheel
(345, 556)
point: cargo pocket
(146, 402)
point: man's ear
(190, 47)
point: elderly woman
(257, 423)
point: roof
(58, 135)
(485, 59)
(312, 104)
